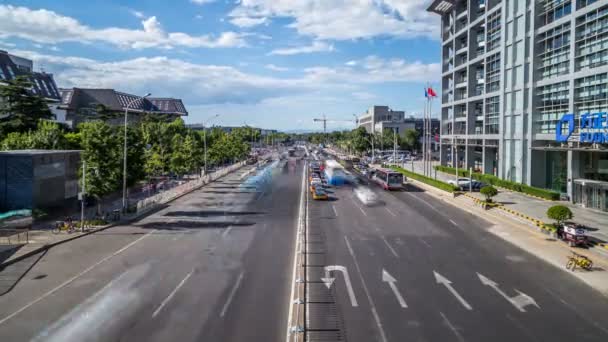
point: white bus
(388, 179)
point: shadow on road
(11, 275)
(178, 225)
(210, 213)
(6, 251)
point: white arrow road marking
(328, 280)
(387, 278)
(448, 284)
(519, 302)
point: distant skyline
(274, 64)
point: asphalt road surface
(412, 268)
(215, 265)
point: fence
(164, 197)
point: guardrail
(180, 190)
(14, 236)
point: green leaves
(20, 111)
(559, 213)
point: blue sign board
(593, 128)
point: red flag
(431, 92)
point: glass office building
(512, 73)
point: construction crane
(325, 120)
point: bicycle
(64, 226)
(578, 260)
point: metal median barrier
(180, 190)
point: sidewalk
(535, 207)
(41, 236)
(529, 240)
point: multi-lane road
(217, 265)
(412, 268)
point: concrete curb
(97, 230)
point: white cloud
(201, 2)
(248, 21)
(137, 14)
(317, 46)
(364, 95)
(198, 16)
(204, 84)
(275, 68)
(351, 63)
(48, 27)
(347, 19)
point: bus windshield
(395, 178)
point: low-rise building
(43, 84)
(84, 104)
(38, 179)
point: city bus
(388, 179)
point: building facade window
(591, 94)
(552, 10)
(493, 31)
(592, 39)
(553, 48)
(493, 73)
(492, 115)
(552, 103)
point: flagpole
(426, 99)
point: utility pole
(395, 145)
(82, 193)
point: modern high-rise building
(525, 92)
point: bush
(488, 191)
(427, 180)
(495, 181)
(559, 213)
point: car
(466, 184)
(319, 194)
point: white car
(465, 183)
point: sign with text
(593, 128)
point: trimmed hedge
(430, 181)
(493, 180)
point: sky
(275, 64)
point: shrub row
(430, 181)
(493, 180)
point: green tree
(360, 140)
(17, 141)
(102, 152)
(488, 191)
(559, 213)
(20, 111)
(410, 140)
(135, 152)
(48, 136)
(179, 156)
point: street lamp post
(124, 170)
(205, 141)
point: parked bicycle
(64, 226)
(578, 260)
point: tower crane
(325, 120)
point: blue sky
(269, 63)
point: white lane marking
(454, 223)
(364, 213)
(448, 284)
(369, 297)
(170, 296)
(451, 326)
(335, 211)
(387, 278)
(390, 248)
(329, 280)
(390, 212)
(226, 232)
(67, 282)
(232, 293)
(424, 242)
(301, 211)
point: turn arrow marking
(329, 281)
(519, 302)
(387, 278)
(448, 284)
